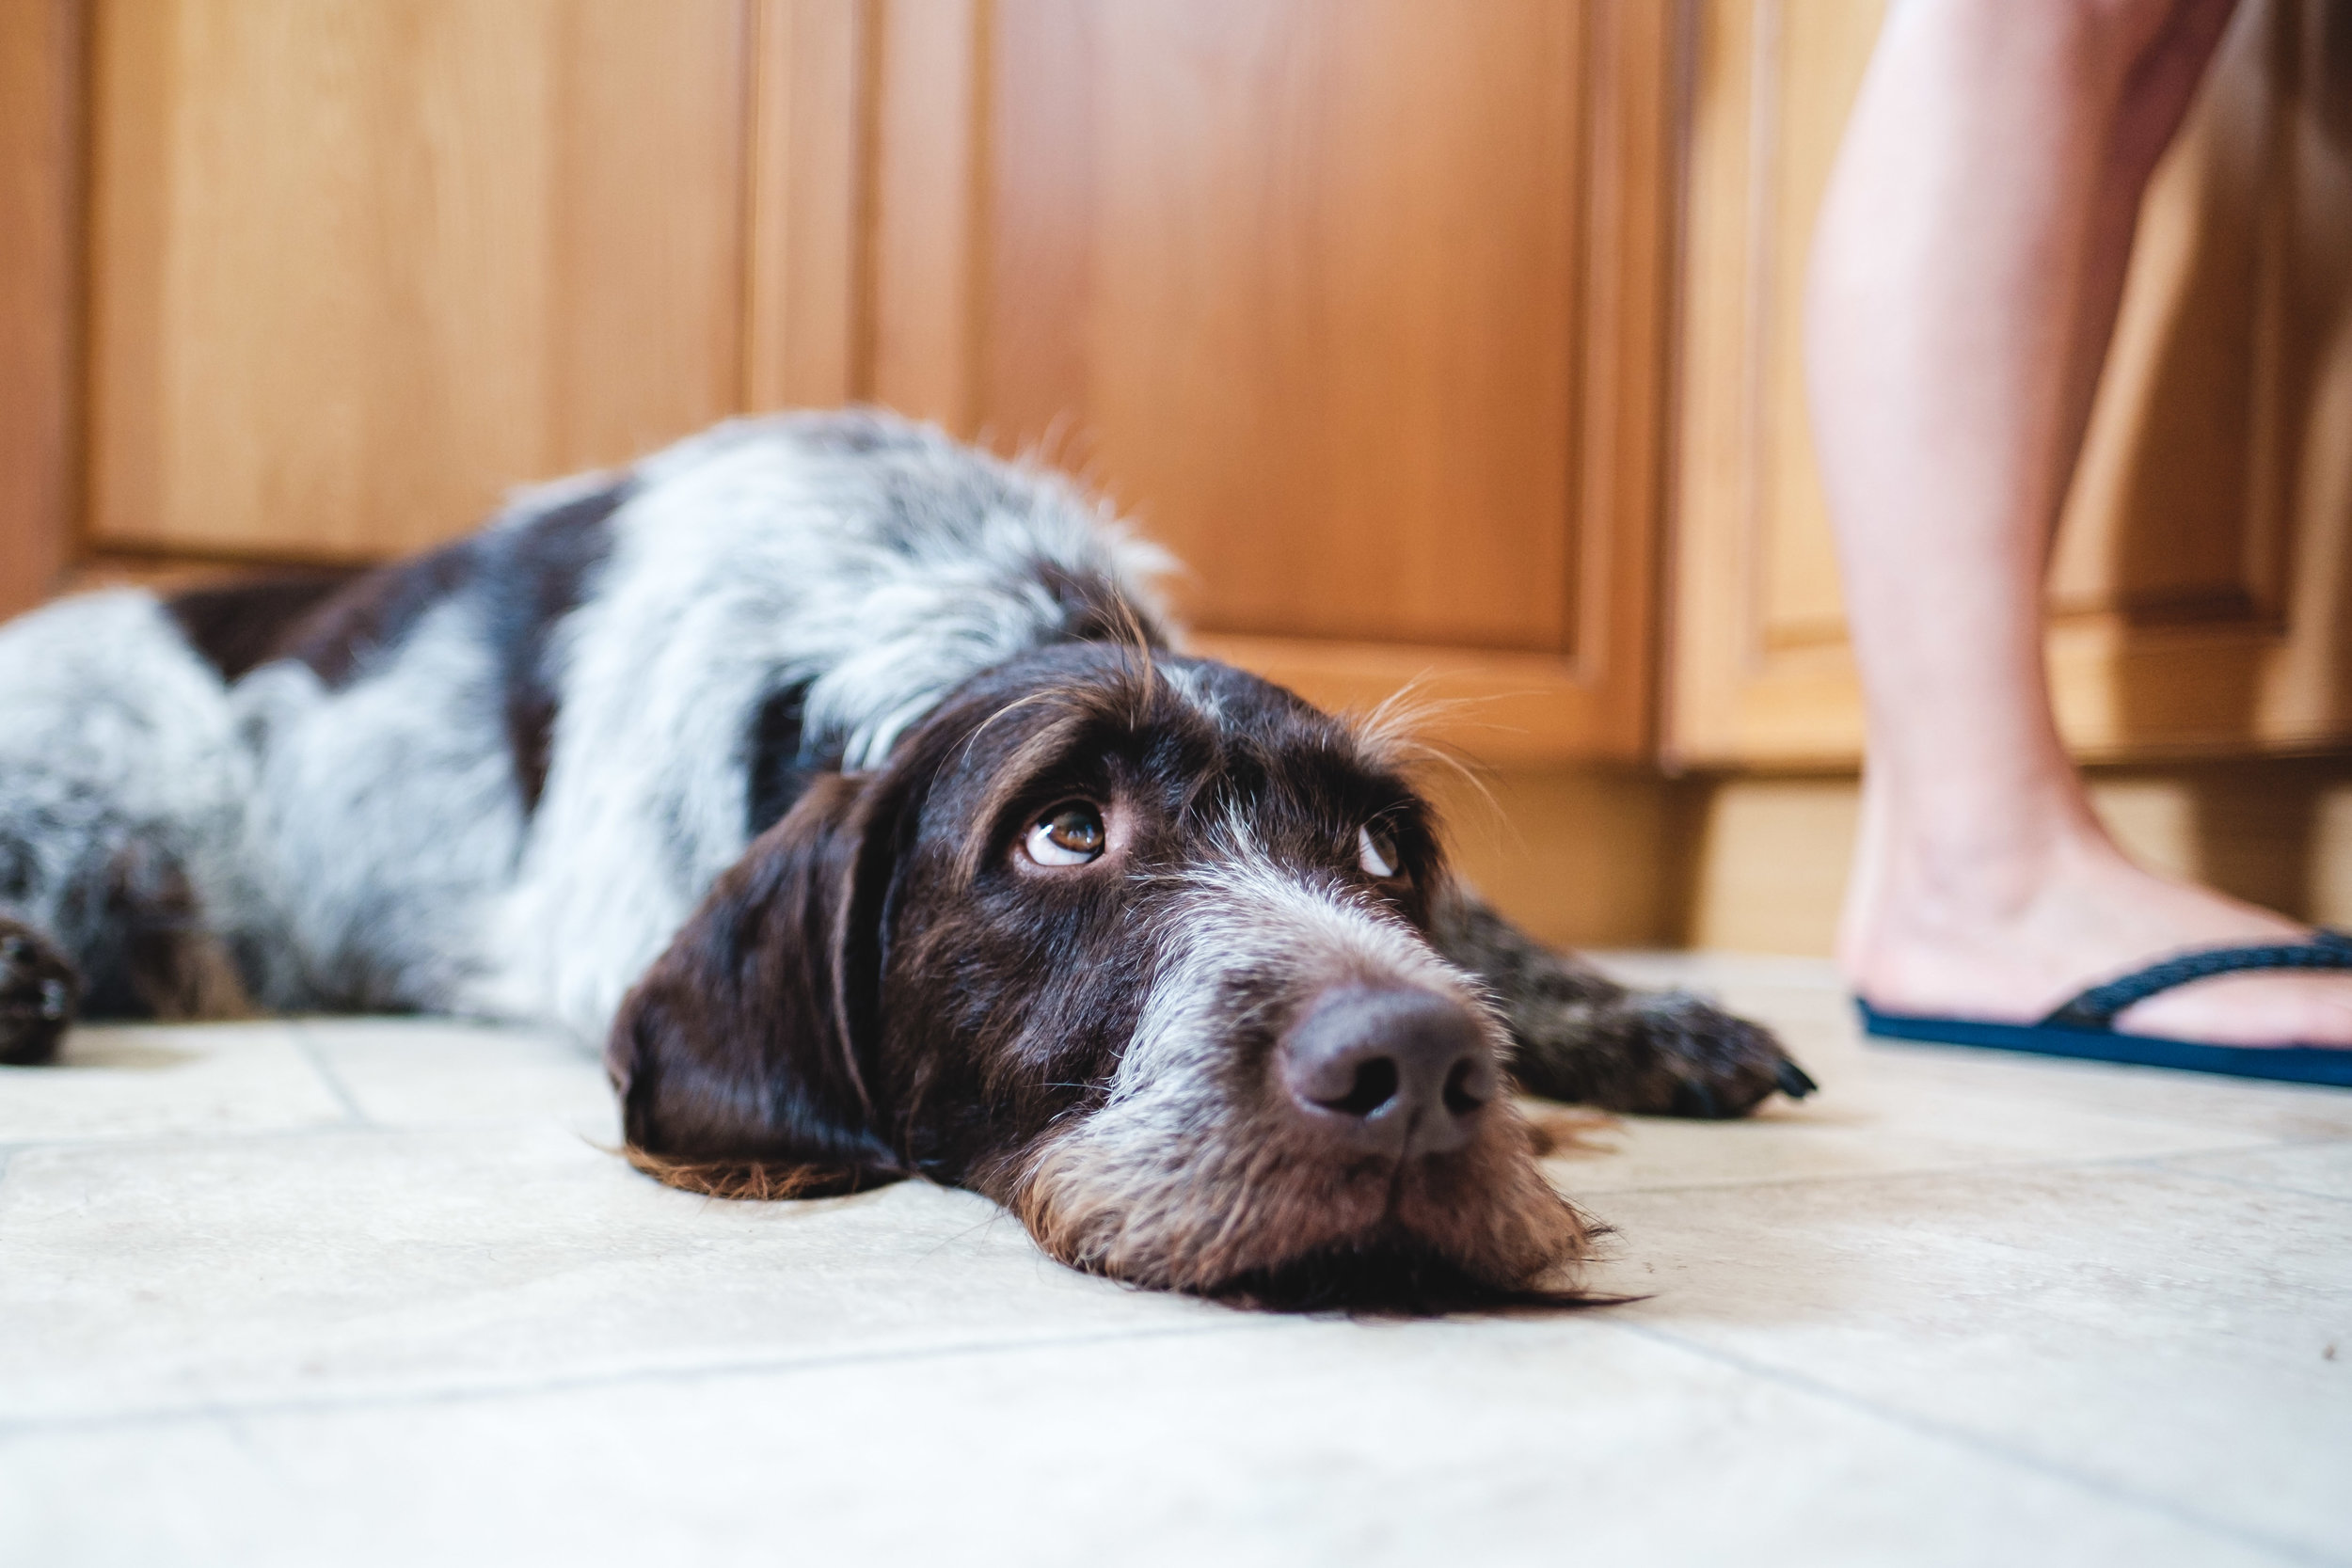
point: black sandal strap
(2096, 1008)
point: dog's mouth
(1450, 1238)
(1244, 1222)
(1390, 1271)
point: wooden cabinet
(356, 267)
(40, 124)
(1371, 308)
(1359, 305)
(2200, 577)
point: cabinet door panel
(1358, 303)
(39, 247)
(1321, 301)
(2199, 573)
(357, 266)
(1355, 304)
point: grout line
(1985, 1447)
(167, 1139)
(307, 1046)
(2250, 1182)
(2051, 1162)
(590, 1381)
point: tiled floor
(354, 1293)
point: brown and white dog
(848, 782)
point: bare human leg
(1965, 279)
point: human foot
(2008, 938)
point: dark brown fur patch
(522, 579)
(340, 638)
(175, 967)
(753, 1181)
(238, 626)
(885, 985)
(40, 991)
(542, 580)
(1579, 1036)
(736, 1051)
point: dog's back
(497, 777)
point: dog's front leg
(1579, 1036)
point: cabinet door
(2200, 582)
(356, 266)
(1359, 305)
(40, 60)
(1355, 304)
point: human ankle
(1939, 865)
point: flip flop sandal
(2085, 1027)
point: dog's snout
(1390, 1071)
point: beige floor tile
(1272, 1442)
(2166, 1334)
(169, 1276)
(1888, 1108)
(1879, 1122)
(142, 1081)
(352, 1291)
(2268, 1112)
(435, 1072)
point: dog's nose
(1388, 1070)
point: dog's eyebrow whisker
(1031, 700)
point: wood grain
(1497, 708)
(357, 267)
(1357, 306)
(804, 307)
(2201, 568)
(1327, 301)
(1772, 852)
(41, 83)
(925, 210)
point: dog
(849, 782)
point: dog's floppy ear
(735, 1057)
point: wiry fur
(1173, 1179)
(124, 788)
(363, 843)
(1579, 1036)
(872, 564)
(729, 758)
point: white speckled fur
(113, 731)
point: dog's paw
(1654, 1053)
(1687, 1057)
(39, 991)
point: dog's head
(1134, 945)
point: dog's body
(864, 759)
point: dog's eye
(1070, 835)
(1376, 853)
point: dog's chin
(1392, 1271)
(1481, 1230)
